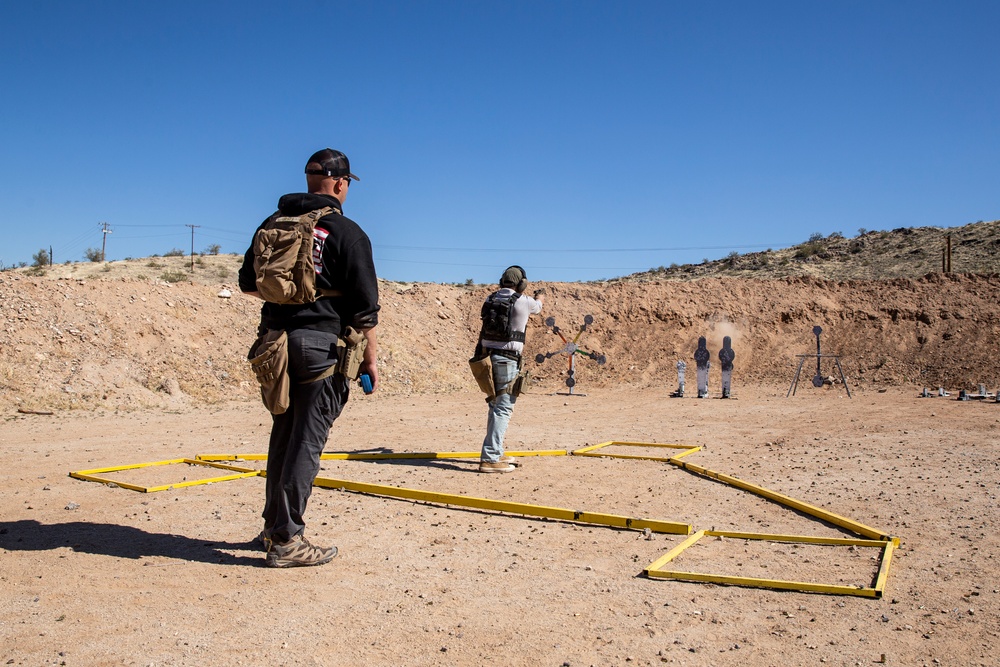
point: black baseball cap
(332, 163)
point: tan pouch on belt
(268, 358)
(482, 370)
(350, 353)
(517, 387)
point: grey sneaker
(498, 466)
(298, 552)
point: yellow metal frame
(818, 512)
(94, 475)
(381, 456)
(870, 537)
(592, 450)
(656, 568)
(508, 507)
(876, 538)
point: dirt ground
(133, 369)
(98, 575)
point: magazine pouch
(482, 370)
(268, 358)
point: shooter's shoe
(264, 539)
(509, 459)
(298, 552)
(498, 466)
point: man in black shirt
(342, 255)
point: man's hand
(368, 362)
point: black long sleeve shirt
(343, 256)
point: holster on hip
(350, 353)
(517, 386)
(268, 357)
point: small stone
(72, 506)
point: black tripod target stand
(818, 379)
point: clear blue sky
(582, 140)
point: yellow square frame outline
(95, 474)
(383, 456)
(592, 450)
(506, 506)
(656, 568)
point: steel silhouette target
(571, 348)
(818, 378)
(726, 356)
(702, 359)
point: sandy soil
(97, 575)
(136, 369)
(127, 344)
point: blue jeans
(501, 407)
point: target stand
(571, 348)
(818, 379)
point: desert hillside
(117, 340)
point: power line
(173, 225)
(570, 250)
(381, 260)
(153, 236)
(75, 244)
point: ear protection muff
(522, 284)
(522, 278)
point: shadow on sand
(120, 542)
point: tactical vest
(498, 317)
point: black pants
(299, 435)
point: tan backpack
(283, 258)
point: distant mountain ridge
(906, 252)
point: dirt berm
(126, 343)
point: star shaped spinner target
(571, 348)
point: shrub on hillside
(41, 258)
(173, 276)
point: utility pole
(105, 230)
(192, 244)
(51, 259)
